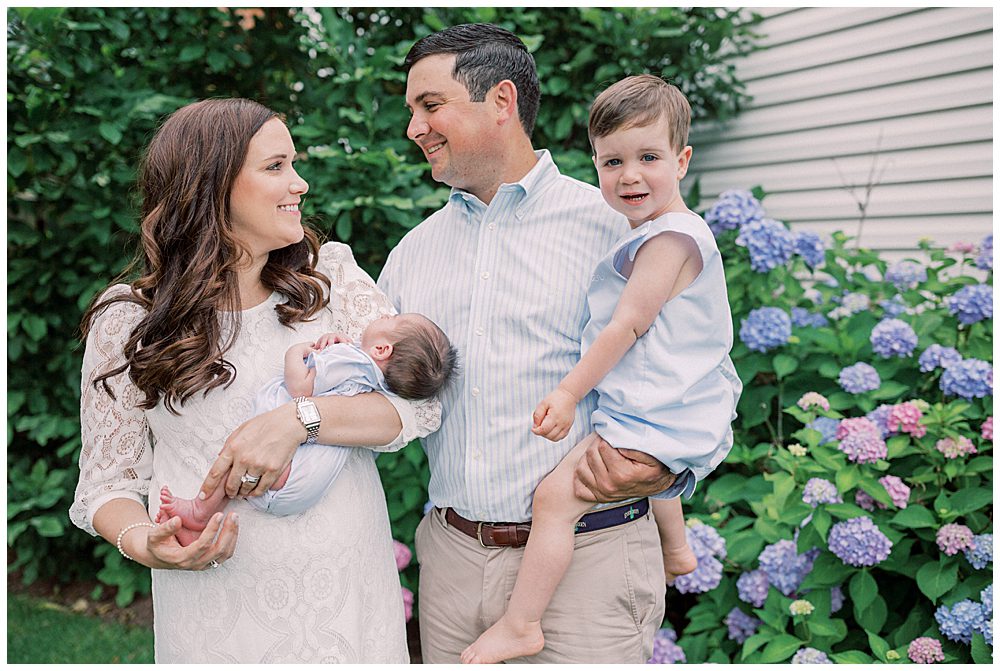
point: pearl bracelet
(121, 534)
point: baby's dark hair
(423, 360)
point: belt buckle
(479, 534)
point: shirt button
(480, 331)
(492, 227)
(485, 276)
(475, 391)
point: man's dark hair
(485, 56)
(423, 361)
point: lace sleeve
(355, 296)
(116, 460)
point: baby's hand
(328, 339)
(553, 417)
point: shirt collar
(543, 173)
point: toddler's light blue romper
(342, 369)
(674, 393)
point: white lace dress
(321, 586)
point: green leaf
(873, 617)
(47, 526)
(981, 653)
(968, 500)
(914, 517)
(16, 162)
(845, 510)
(192, 52)
(784, 365)
(863, 590)
(110, 132)
(780, 648)
(729, 488)
(753, 643)
(847, 479)
(851, 657)
(878, 645)
(936, 578)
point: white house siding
(838, 91)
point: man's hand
(554, 415)
(606, 474)
(262, 446)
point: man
(503, 268)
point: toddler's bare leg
(194, 513)
(555, 511)
(678, 558)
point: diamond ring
(214, 564)
(250, 479)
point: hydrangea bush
(854, 513)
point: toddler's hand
(553, 417)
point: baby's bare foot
(678, 561)
(505, 640)
(194, 513)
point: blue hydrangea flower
(705, 540)
(971, 378)
(958, 622)
(981, 552)
(810, 656)
(880, 418)
(850, 303)
(938, 356)
(836, 599)
(859, 378)
(765, 328)
(769, 243)
(741, 626)
(893, 337)
(986, 629)
(810, 247)
(752, 587)
(906, 274)
(972, 303)
(802, 318)
(986, 596)
(733, 209)
(985, 258)
(665, 648)
(827, 426)
(818, 491)
(893, 307)
(784, 566)
(708, 546)
(858, 542)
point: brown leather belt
(512, 535)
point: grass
(40, 632)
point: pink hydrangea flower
(898, 491)
(953, 538)
(925, 650)
(407, 603)
(812, 398)
(962, 248)
(953, 449)
(906, 417)
(403, 554)
(987, 428)
(864, 500)
(861, 440)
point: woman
(230, 280)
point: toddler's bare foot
(505, 640)
(678, 561)
(194, 513)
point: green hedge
(86, 89)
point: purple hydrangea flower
(859, 378)
(836, 599)
(906, 275)
(898, 491)
(741, 626)
(784, 566)
(864, 500)
(893, 307)
(880, 418)
(818, 491)
(893, 337)
(971, 378)
(752, 587)
(765, 328)
(733, 209)
(858, 542)
(810, 656)
(861, 440)
(707, 544)
(705, 540)
(986, 430)
(985, 258)
(810, 247)
(980, 554)
(665, 648)
(972, 303)
(827, 426)
(925, 650)
(953, 538)
(958, 622)
(938, 356)
(802, 318)
(769, 242)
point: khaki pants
(606, 609)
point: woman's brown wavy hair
(189, 256)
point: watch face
(308, 413)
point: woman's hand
(164, 551)
(606, 474)
(260, 447)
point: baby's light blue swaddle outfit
(342, 369)
(674, 393)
